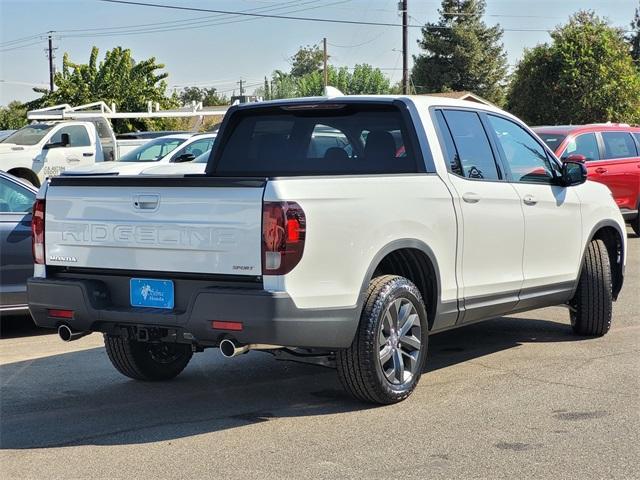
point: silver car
(16, 261)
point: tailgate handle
(146, 202)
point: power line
(21, 46)
(281, 17)
(222, 21)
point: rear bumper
(267, 317)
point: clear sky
(206, 49)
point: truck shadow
(78, 398)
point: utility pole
(324, 48)
(50, 55)
(405, 49)
(241, 87)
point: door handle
(601, 170)
(529, 199)
(87, 154)
(471, 197)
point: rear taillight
(283, 234)
(37, 232)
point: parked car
(169, 151)
(348, 257)
(194, 167)
(612, 156)
(16, 202)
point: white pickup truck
(46, 149)
(413, 215)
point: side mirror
(64, 142)
(185, 157)
(575, 157)
(573, 173)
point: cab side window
(525, 157)
(13, 198)
(472, 146)
(78, 136)
(585, 144)
(618, 145)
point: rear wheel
(147, 361)
(387, 355)
(592, 304)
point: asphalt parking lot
(515, 397)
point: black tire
(635, 225)
(147, 361)
(359, 366)
(592, 304)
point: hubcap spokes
(399, 341)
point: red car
(611, 153)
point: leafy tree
(306, 60)
(585, 75)
(13, 116)
(634, 36)
(461, 53)
(208, 96)
(117, 79)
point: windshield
(553, 140)
(153, 150)
(29, 135)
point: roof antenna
(330, 91)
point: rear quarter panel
(351, 219)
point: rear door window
(618, 145)
(585, 144)
(335, 140)
(472, 145)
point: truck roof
(424, 101)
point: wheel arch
(612, 235)
(26, 174)
(414, 260)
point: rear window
(347, 139)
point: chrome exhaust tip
(230, 349)
(66, 334)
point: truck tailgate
(164, 224)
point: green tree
(13, 116)
(118, 79)
(634, 37)
(585, 75)
(208, 96)
(461, 53)
(306, 60)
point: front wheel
(147, 361)
(635, 224)
(387, 355)
(592, 305)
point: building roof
(469, 96)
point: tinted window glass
(352, 139)
(152, 151)
(14, 198)
(637, 135)
(472, 145)
(448, 149)
(526, 159)
(618, 145)
(585, 144)
(552, 140)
